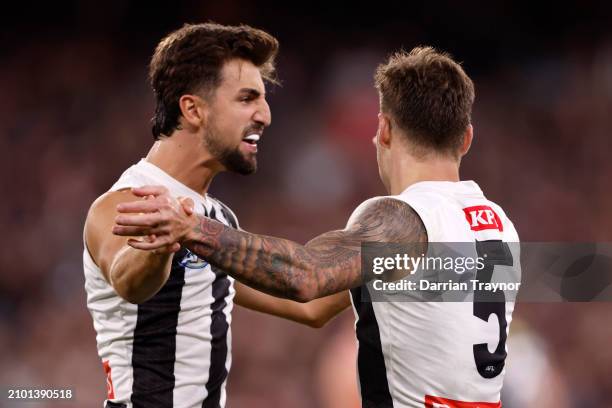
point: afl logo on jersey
(191, 261)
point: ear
(468, 136)
(194, 110)
(384, 130)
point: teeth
(252, 138)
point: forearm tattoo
(327, 264)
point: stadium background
(75, 111)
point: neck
(407, 170)
(184, 158)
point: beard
(234, 160)
(230, 157)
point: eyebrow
(254, 93)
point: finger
(168, 249)
(187, 204)
(163, 249)
(139, 207)
(142, 220)
(160, 242)
(149, 190)
(124, 231)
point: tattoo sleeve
(327, 264)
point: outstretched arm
(328, 264)
(316, 313)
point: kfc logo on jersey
(482, 217)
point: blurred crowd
(75, 113)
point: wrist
(204, 235)
(193, 231)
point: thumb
(187, 204)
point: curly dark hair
(190, 59)
(428, 95)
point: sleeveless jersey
(440, 354)
(174, 350)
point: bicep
(102, 244)
(380, 220)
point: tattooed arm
(328, 264)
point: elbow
(316, 323)
(311, 316)
(316, 318)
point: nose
(263, 114)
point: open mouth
(250, 142)
(252, 139)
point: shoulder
(384, 207)
(107, 202)
(370, 205)
(390, 218)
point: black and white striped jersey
(440, 354)
(174, 350)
